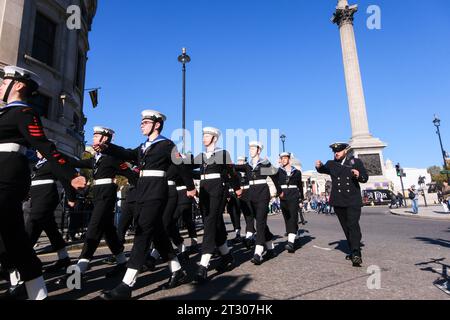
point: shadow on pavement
(439, 242)
(223, 288)
(443, 281)
(341, 245)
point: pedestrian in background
(414, 197)
(446, 196)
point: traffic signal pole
(400, 174)
(403, 188)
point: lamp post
(283, 140)
(184, 58)
(437, 123)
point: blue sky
(274, 64)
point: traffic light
(398, 170)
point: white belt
(103, 181)
(210, 176)
(170, 183)
(181, 188)
(13, 147)
(41, 182)
(285, 186)
(262, 181)
(152, 173)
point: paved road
(402, 248)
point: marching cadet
(215, 170)
(154, 158)
(234, 210)
(105, 168)
(259, 197)
(184, 207)
(245, 206)
(20, 128)
(290, 180)
(170, 214)
(346, 173)
(300, 211)
(128, 210)
(44, 200)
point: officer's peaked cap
(339, 146)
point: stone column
(11, 12)
(364, 146)
(343, 17)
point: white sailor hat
(211, 130)
(153, 115)
(23, 75)
(242, 158)
(256, 144)
(285, 154)
(103, 130)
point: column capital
(344, 16)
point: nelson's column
(366, 147)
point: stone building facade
(34, 35)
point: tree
(436, 176)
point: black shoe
(110, 260)
(183, 257)
(150, 264)
(270, 254)
(61, 282)
(348, 257)
(17, 292)
(176, 279)
(237, 239)
(194, 249)
(290, 247)
(248, 243)
(356, 261)
(226, 263)
(257, 259)
(215, 254)
(61, 264)
(4, 274)
(201, 276)
(121, 292)
(118, 271)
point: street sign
(445, 172)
